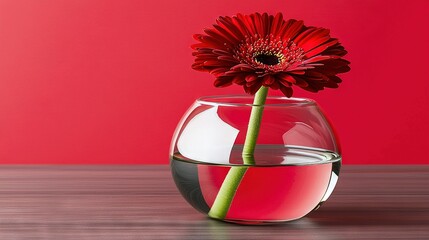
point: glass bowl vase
(296, 160)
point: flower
(264, 50)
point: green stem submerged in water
(232, 180)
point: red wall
(106, 81)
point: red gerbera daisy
(263, 50)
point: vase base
(254, 222)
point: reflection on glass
(207, 138)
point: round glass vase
(296, 161)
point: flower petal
(227, 59)
(242, 67)
(239, 79)
(268, 80)
(316, 37)
(316, 59)
(291, 28)
(276, 24)
(287, 91)
(232, 34)
(251, 78)
(218, 71)
(257, 23)
(220, 36)
(223, 81)
(319, 49)
(252, 88)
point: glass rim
(281, 101)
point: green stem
(233, 179)
(227, 192)
(254, 126)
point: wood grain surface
(141, 202)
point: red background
(107, 81)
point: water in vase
(286, 182)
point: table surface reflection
(141, 202)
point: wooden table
(141, 202)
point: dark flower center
(267, 59)
(268, 54)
